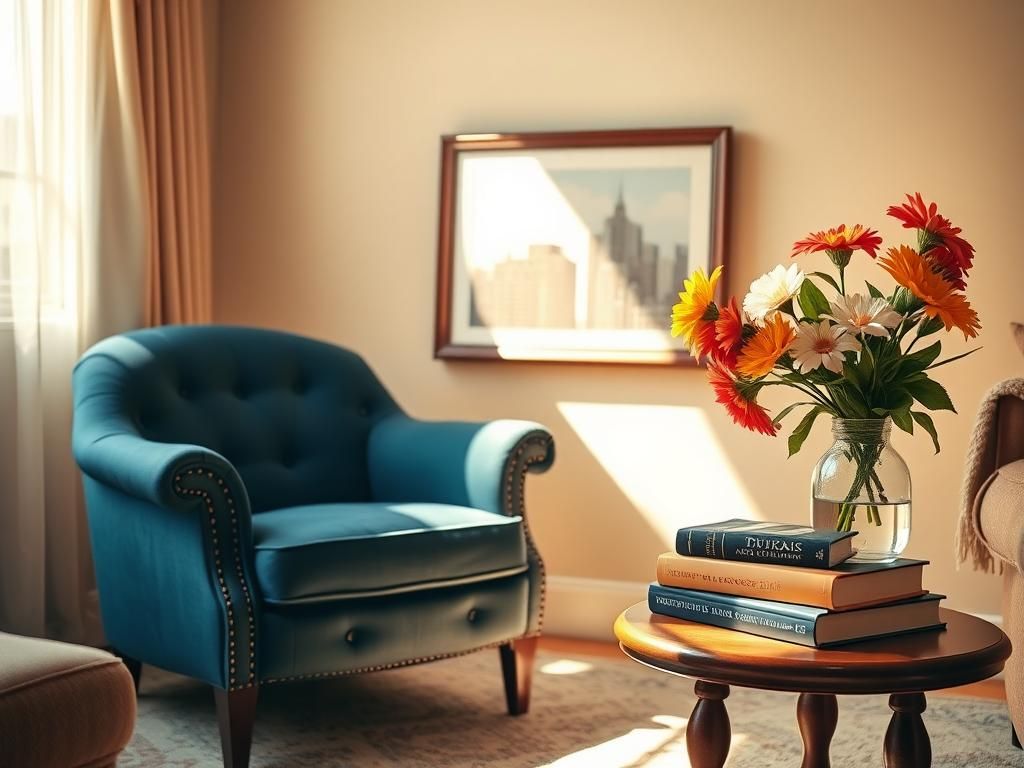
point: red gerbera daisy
(743, 408)
(839, 242)
(704, 340)
(938, 240)
(729, 333)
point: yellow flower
(758, 356)
(695, 300)
(939, 295)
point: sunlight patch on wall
(667, 461)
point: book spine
(803, 586)
(750, 547)
(721, 613)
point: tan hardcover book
(851, 584)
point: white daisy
(770, 291)
(822, 345)
(860, 314)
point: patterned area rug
(586, 713)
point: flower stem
(810, 391)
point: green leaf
(951, 359)
(903, 420)
(920, 360)
(929, 326)
(929, 426)
(895, 398)
(850, 401)
(828, 279)
(786, 411)
(931, 395)
(875, 293)
(813, 301)
(803, 429)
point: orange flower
(693, 317)
(840, 242)
(940, 242)
(739, 403)
(729, 333)
(759, 355)
(940, 298)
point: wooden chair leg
(236, 711)
(517, 670)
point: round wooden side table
(905, 666)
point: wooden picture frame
(572, 246)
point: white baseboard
(587, 608)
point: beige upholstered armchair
(992, 524)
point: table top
(968, 650)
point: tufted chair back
(291, 414)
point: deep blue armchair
(261, 510)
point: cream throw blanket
(969, 542)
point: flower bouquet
(861, 358)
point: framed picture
(574, 246)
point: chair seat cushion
(324, 552)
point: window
(43, 121)
(8, 136)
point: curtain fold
(105, 207)
(172, 74)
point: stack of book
(791, 583)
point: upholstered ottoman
(62, 706)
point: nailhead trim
(207, 499)
(395, 664)
(510, 486)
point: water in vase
(883, 530)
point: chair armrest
(172, 539)
(148, 470)
(474, 464)
(999, 512)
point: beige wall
(329, 120)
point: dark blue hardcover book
(814, 627)
(758, 542)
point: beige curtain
(170, 50)
(73, 199)
(104, 227)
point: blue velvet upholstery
(385, 548)
(260, 509)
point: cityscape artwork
(563, 252)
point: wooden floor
(987, 689)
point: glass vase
(861, 484)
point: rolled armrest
(200, 597)
(999, 512)
(480, 465)
(145, 469)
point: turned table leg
(906, 740)
(817, 714)
(708, 733)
